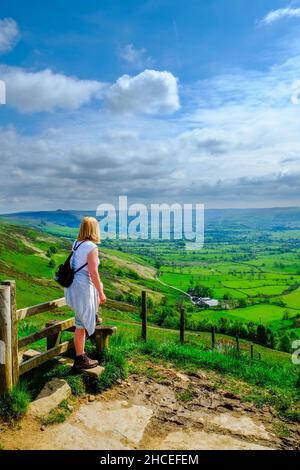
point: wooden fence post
(14, 331)
(213, 339)
(237, 339)
(251, 351)
(182, 324)
(144, 315)
(6, 377)
(55, 339)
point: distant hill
(25, 257)
(267, 219)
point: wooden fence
(10, 346)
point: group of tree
(52, 250)
(201, 291)
(168, 316)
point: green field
(254, 276)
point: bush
(15, 403)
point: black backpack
(65, 273)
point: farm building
(205, 302)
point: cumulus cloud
(281, 13)
(134, 56)
(46, 90)
(9, 34)
(149, 92)
(236, 143)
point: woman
(86, 291)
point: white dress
(82, 296)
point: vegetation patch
(75, 381)
(116, 368)
(15, 403)
(58, 415)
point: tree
(242, 303)
(286, 315)
(285, 343)
(201, 291)
(271, 339)
(51, 263)
(261, 334)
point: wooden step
(94, 373)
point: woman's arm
(92, 259)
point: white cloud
(46, 90)
(149, 92)
(235, 143)
(281, 13)
(9, 34)
(135, 57)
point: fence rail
(11, 369)
(40, 308)
(10, 345)
(56, 328)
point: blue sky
(161, 100)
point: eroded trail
(173, 410)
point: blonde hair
(89, 230)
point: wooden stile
(51, 327)
(40, 308)
(6, 376)
(14, 330)
(26, 366)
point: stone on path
(242, 425)
(53, 393)
(182, 377)
(202, 440)
(103, 425)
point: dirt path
(172, 410)
(146, 272)
(34, 248)
(173, 287)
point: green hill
(28, 256)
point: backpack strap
(81, 267)
(77, 246)
(74, 249)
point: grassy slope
(22, 257)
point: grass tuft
(115, 369)
(15, 403)
(58, 415)
(75, 381)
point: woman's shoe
(84, 362)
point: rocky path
(171, 411)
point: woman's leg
(79, 341)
